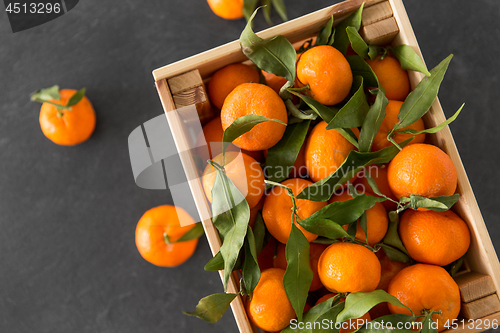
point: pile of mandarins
(433, 239)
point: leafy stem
(49, 95)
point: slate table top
(68, 259)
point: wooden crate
(481, 257)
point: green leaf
(329, 316)
(428, 325)
(392, 239)
(250, 270)
(281, 157)
(243, 125)
(456, 265)
(341, 212)
(323, 111)
(357, 304)
(267, 11)
(434, 129)
(193, 233)
(275, 55)
(341, 39)
(363, 222)
(295, 113)
(373, 121)
(409, 59)
(355, 162)
(373, 51)
(360, 67)
(298, 274)
(394, 254)
(354, 111)
(249, 7)
(280, 8)
(325, 33)
(215, 264)
(77, 97)
(47, 94)
(312, 315)
(212, 307)
(259, 231)
(231, 214)
(373, 185)
(357, 43)
(438, 204)
(419, 101)
(326, 228)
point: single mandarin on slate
(425, 288)
(244, 172)
(390, 119)
(269, 309)
(68, 127)
(277, 211)
(325, 151)
(327, 72)
(391, 77)
(437, 238)
(347, 267)
(422, 169)
(256, 99)
(227, 78)
(150, 236)
(227, 9)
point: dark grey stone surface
(68, 215)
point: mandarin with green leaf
(327, 73)
(157, 233)
(261, 100)
(64, 124)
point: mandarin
(227, 9)
(425, 288)
(422, 169)
(257, 99)
(67, 127)
(391, 77)
(151, 241)
(437, 238)
(227, 78)
(348, 267)
(269, 309)
(327, 72)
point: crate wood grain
(481, 256)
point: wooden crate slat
(474, 286)
(181, 142)
(376, 13)
(482, 256)
(381, 32)
(481, 308)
